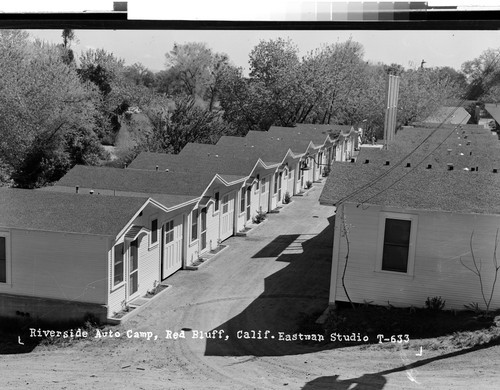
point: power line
(387, 172)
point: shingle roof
(225, 161)
(315, 133)
(454, 115)
(134, 180)
(63, 212)
(167, 200)
(455, 191)
(465, 148)
(494, 110)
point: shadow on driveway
(297, 291)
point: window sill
(117, 287)
(154, 246)
(395, 273)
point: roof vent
(477, 169)
(408, 165)
(472, 169)
(495, 170)
(461, 154)
(465, 137)
(77, 189)
(468, 143)
(450, 167)
(216, 155)
(449, 151)
(387, 163)
(156, 168)
(166, 170)
(91, 192)
(367, 161)
(429, 166)
(353, 160)
(470, 153)
(466, 169)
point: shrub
(435, 303)
(259, 217)
(287, 198)
(309, 184)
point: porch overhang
(135, 231)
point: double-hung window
(118, 264)
(397, 248)
(154, 232)
(194, 225)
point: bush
(259, 217)
(287, 198)
(309, 184)
(435, 303)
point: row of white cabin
(176, 209)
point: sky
(408, 48)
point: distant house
(449, 115)
(405, 224)
(65, 255)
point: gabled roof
(63, 212)
(169, 201)
(134, 180)
(296, 144)
(494, 110)
(149, 160)
(318, 134)
(420, 189)
(453, 115)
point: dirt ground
(267, 281)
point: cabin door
(203, 229)
(172, 247)
(227, 217)
(133, 268)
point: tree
(482, 72)
(44, 99)
(174, 127)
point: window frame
(413, 218)
(169, 231)
(225, 204)
(8, 258)
(263, 189)
(194, 223)
(115, 285)
(151, 219)
(216, 201)
(243, 196)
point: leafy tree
(44, 99)
(483, 72)
(174, 127)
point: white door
(227, 218)
(172, 247)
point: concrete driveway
(268, 280)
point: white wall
(441, 240)
(58, 265)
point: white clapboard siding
(441, 240)
(58, 265)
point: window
(4, 257)
(154, 231)
(397, 249)
(225, 204)
(263, 186)
(169, 232)
(276, 176)
(257, 184)
(242, 200)
(217, 199)
(118, 264)
(194, 225)
(134, 267)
